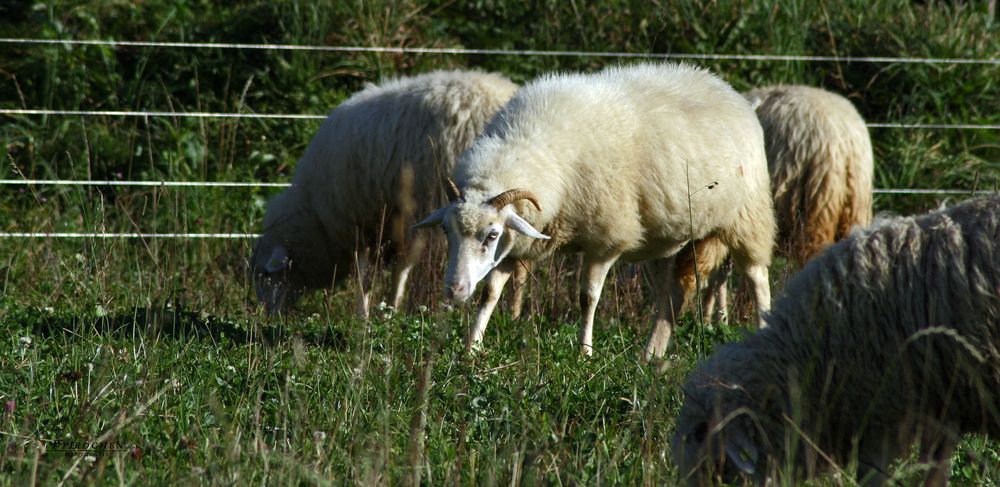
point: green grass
(212, 392)
(321, 398)
(158, 343)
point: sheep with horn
(631, 162)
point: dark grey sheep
(888, 339)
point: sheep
(889, 338)
(351, 183)
(631, 163)
(821, 165)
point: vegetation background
(156, 344)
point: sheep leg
(669, 299)
(364, 284)
(874, 456)
(595, 272)
(717, 295)
(939, 457)
(399, 278)
(937, 444)
(722, 312)
(522, 269)
(495, 282)
(757, 273)
(402, 273)
(708, 304)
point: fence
(414, 51)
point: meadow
(135, 361)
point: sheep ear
(755, 102)
(740, 450)
(518, 224)
(434, 219)
(278, 260)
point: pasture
(134, 360)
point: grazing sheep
(631, 162)
(349, 193)
(820, 160)
(889, 338)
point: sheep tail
(858, 200)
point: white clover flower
(25, 341)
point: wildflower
(25, 341)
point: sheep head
(478, 239)
(718, 437)
(273, 277)
(292, 255)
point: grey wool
(888, 339)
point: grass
(157, 344)
(322, 398)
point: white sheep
(354, 188)
(820, 160)
(630, 162)
(889, 338)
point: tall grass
(158, 344)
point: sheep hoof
(723, 318)
(658, 365)
(474, 348)
(587, 350)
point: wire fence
(305, 116)
(414, 51)
(253, 184)
(99, 235)
(140, 235)
(512, 52)
(188, 184)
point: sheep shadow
(170, 323)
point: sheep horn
(511, 195)
(454, 194)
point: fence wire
(306, 116)
(423, 51)
(251, 184)
(126, 235)
(511, 52)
